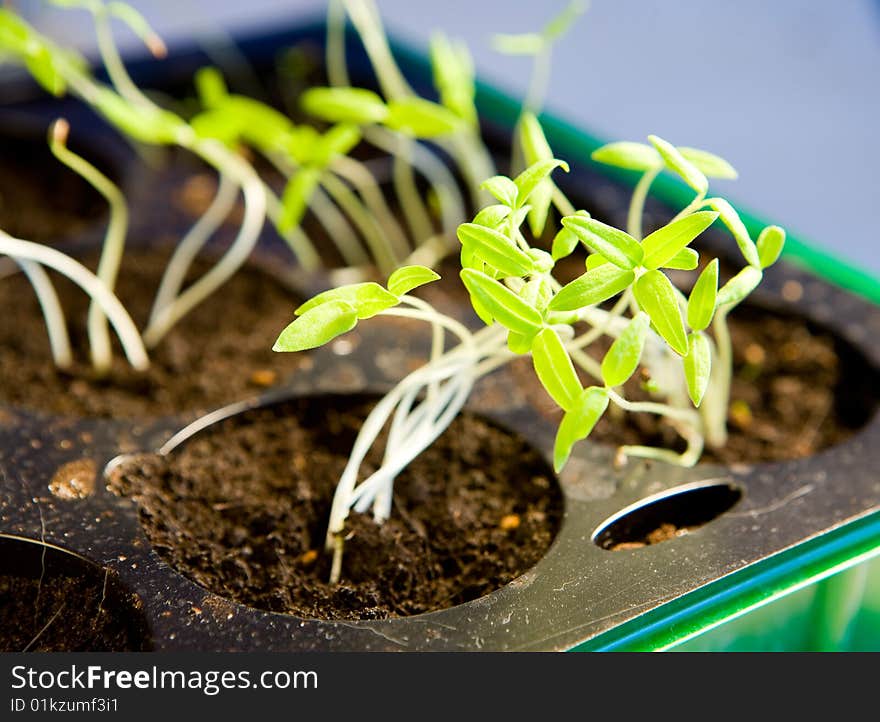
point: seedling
(526, 310)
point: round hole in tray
(241, 508)
(666, 515)
(52, 600)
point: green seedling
(625, 294)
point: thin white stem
(297, 239)
(113, 62)
(91, 284)
(114, 240)
(417, 217)
(637, 203)
(337, 68)
(192, 243)
(365, 16)
(56, 326)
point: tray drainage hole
(667, 515)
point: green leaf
(345, 105)
(502, 188)
(492, 216)
(559, 24)
(740, 286)
(676, 162)
(701, 304)
(217, 125)
(770, 243)
(317, 326)
(542, 262)
(261, 125)
(421, 118)
(578, 423)
(731, 219)
(629, 155)
(296, 197)
(148, 124)
(41, 66)
(555, 369)
(593, 287)
(687, 259)
(211, 87)
(664, 243)
(495, 248)
(339, 140)
(564, 243)
(656, 297)
(518, 344)
(619, 247)
(594, 260)
(537, 293)
(534, 143)
(623, 357)
(697, 366)
(367, 299)
(406, 278)
(527, 181)
(504, 305)
(453, 71)
(708, 163)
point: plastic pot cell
(647, 556)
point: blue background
(788, 90)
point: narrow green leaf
(697, 366)
(367, 299)
(496, 249)
(687, 259)
(337, 141)
(701, 304)
(578, 423)
(502, 188)
(770, 243)
(519, 344)
(317, 326)
(665, 242)
(656, 297)
(622, 359)
(148, 124)
(677, 163)
(564, 243)
(740, 286)
(593, 287)
(344, 105)
(555, 369)
(506, 307)
(708, 163)
(41, 66)
(619, 247)
(406, 278)
(594, 260)
(560, 23)
(492, 216)
(211, 87)
(731, 219)
(629, 155)
(532, 139)
(453, 71)
(421, 118)
(527, 181)
(295, 200)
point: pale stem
(113, 62)
(417, 217)
(357, 174)
(193, 242)
(295, 237)
(114, 240)
(715, 411)
(365, 16)
(694, 205)
(637, 203)
(56, 326)
(91, 284)
(337, 68)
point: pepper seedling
(625, 294)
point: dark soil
(41, 199)
(797, 389)
(72, 606)
(242, 510)
(221, 352)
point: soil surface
(64, 613)
(219, 353)
(242, 510)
